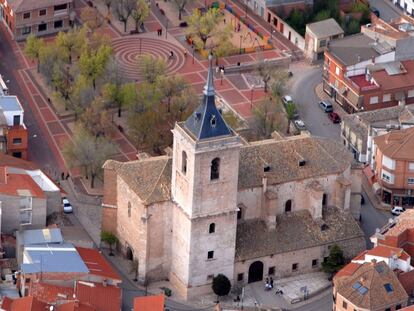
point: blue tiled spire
(206, 121)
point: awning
(376, 187)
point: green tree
(290, 114)
(278, 82)
(88, 152)
(92, 65)
(335, 260)
(91, 18)
(353, 27)
(110, 239)
(97, 119)
(50, 58)
(124, 9)
(170, 87)
(151, 68)
(33, 48)
(181, 4)
(71, 42)
(221, 285)
(322, 15)
(140, 13)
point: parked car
(334, 117)
(300, 125)
(375, 11)
(288, 100)
(326, 106)
(397, 210)
(67, 207)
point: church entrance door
(129, 254)
(255, 272)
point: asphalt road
(387, 10)
(305, 79)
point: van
(326, 106)
(397, 210)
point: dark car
(334, 117)
(375, 11)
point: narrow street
(387, 9)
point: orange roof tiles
(387, 251)
(348, 270)
(149, 303)
(97, 264)
(23, 304)
(397, 145)
(17, 182)
(73, 306)
(398, 81)
(6, 160)
(49, 293)
(103, 298)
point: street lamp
(221, 76)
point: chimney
(3, 175)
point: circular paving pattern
(129, 49)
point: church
(220, 204)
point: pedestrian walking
(62, 176)
(185, 53)
(171, 54)
(271, 282)
(67, 176)
(160, 32)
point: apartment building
(394, 167)
(40, 17)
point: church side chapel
(220, 204)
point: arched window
(129, 209)
(239, 214)
(288, 206)
(215, 169)
(184, 162)
(212, 228)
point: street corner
(320, 93)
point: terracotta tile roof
(296, 230)
(348, 270)
(397, 145)
(387, 252)
(149, 303)
(98, 296)
(373, 286)
(74, 306)
(29, 5)
(16, 182)
(23, 304)
(404, 222)
(397, 81)
(97, 264)
(49, 293)
(6, 160)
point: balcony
(61, 12)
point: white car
(67, 207)
(287, 99)
(300, 125)
(397, 210)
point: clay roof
(322, 157)
(397, 81)
(73, 306)
(97, 264)
(326, 28)
(149, 178)
(149, 303)
(99, 297)
(6, 160)
(404, 222)
(49, 293)
(387, 252)
(348, 270)
(372, 286)
(29, 5)
(397, 145)
(18, 184)
(295, 230)
(23, 304)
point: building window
(26, 30)
(322, 43)
(17, 141)
(212, 228)
(129, 209)
(344, 305)
(240, 277)
(210, 276)
(295, 267)
(387, 177)
(17, 154)
(337, 71)
(275, 21)
(373, 100)
(184, 162)
(390, 163)
(411, 166)
(271, 270)
(42, 27)
(288, 206)
(210, 255)
(61, 7)
(386, 98)
(215, 169)
(315, 263)
(239, 213)
(410, 93)
(410, 180)
(16, 120)
(26, 15)
(42, 12)
(25, 210)
(58, 24)
(388, 287)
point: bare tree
(124, 10)
(180, 4)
